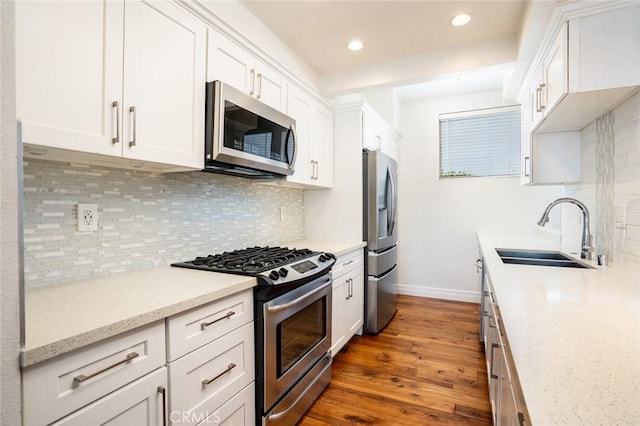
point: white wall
(438, 219)
(9, 272)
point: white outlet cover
(87, 217)
(620, 216)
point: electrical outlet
(87, 217)
(283, 212)
(620, 216)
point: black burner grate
(250, 261)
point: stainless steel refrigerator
(380, 232)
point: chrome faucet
(587, 249)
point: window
(480, 143)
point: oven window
(299, 333)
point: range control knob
(274, 275)
(322, 258)
(283, 272)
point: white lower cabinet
(212, 363)
(55, 388)
(140, 403)
(347, 299)
(126, 380)
(203, 380)
(507, 402)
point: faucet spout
(586, 249)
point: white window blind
(480, 143)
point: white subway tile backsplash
(144, 219)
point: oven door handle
(311, 295)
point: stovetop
(271, 265)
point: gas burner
(271, 265)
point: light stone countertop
(338, 248)
(574, 335)
(63, 318)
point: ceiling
(395, 34)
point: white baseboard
(439, 293)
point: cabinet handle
(204, 325)
(346, 288)
(478, 265)
(493, 346)
(252, 92)
(348, 263)
(316, 170)
(116, 106)
(527, 166)
(521, 419)
(259, 95)
(230, 367)
(81, 378)
(350, 288)
(162, 391)
(132, 110)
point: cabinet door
(164, 84)
(139, 403)
(299, 108)
(525, 143)
(354, 310)
(271, 87)
(69, 74)
(555, 71)
(230, 63)
(321, 141)
(338, 311)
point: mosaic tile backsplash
(610, 155)
(144, 219)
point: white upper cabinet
(69, 74)
(164, 84)
(124, 79)
(377, 135)
(589, 65)
(314, 131)
(592, 63)
(233, 64)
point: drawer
(347, 262)
(239, 410)
(138, 403)
(195, 328)
(56, 387)
(227, 364)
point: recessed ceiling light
(355, 45)
(461, 19)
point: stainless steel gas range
(292, 325)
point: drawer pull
(81, 378)
(348, 263)
(204, 325)
(206, 382)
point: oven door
(297, 333)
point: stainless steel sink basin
(540, 258)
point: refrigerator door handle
(394, 195)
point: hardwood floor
(425, 368)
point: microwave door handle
(292, 130)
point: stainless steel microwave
(245, 137)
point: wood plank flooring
(425, 368)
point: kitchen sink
(540, 258)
